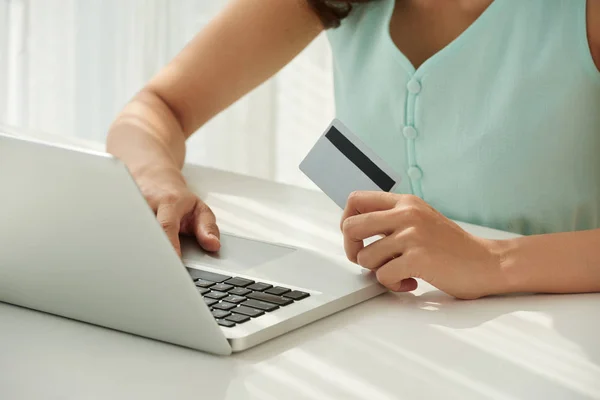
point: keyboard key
(203, 290)
(220, 313)
(270, 298)
(238, 291)
(234, 299)
(222, 287)
(238, 318)
(204, 284)
(216, 295)
(277, 290)
(224, 306)
(296, 295)
(225, 323)
(260, 305)
(259, 286)
(240, 282)
(210, 302)
(250, 312)
(207, 276)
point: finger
(205, 227)
(169, 216)
(364, 226)
(394, 272)
(360, 227)
(364, 202)
(405, 285)
(380, 252)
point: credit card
(340, 163)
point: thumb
(206, 228)
(405, 285)
(397, 276)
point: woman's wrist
(140, 151)
(566, 262)
(513, 278)
(146, 134)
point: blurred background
(68, 66)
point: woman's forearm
(216, 68)
(147, 130)
(552, 263)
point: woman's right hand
(177, 208)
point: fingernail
(212, 236)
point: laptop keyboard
(235, 300)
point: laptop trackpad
(236, 254)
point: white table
(424, 345)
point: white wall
(68, 66)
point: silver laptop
(78, 240)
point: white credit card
(340, 163)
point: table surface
(423, 345)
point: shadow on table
(575, 317)
(291, 200)
(534, 346)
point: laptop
(78, 240)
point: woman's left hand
(418, 242)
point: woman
(490, 110)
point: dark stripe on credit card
(359, 159)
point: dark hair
(332, 12)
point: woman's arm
(419, 242)
(241, 48)
(238, 50)
(551, 263)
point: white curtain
(68, 66)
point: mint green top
(501, 128)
